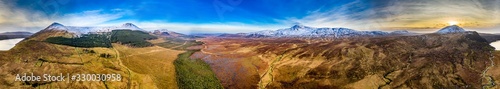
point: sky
(234, 16)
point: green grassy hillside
(194, 73)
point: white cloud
(189, 28)
(336, 17)
(418, 16)
(14, 19)
(88, 18)
(18, 19)
(400, 13)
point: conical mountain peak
(451, 29)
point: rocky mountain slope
(165, 32)
(451, 29)
(78, 31)
(454, 60)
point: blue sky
(191, 11)
(232, 16)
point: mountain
(232, 35)
(490, 37)
(165, 32)
(56, 26)
(12, 35)
(401, 32)
(77, 30)
(16, 33)
(423, 61)
(451, 29)
(305, 31)
(130, 26)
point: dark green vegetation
(128, 37)
(132, 38)
(178, 43)
(105, 55)
(194, 73)
(191, 73)
(86, 41)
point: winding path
(490, 80)
(121, 64)
(269, 72)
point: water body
(9, 43)
(496, 44)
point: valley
(249, 44)
(452, 58)
(384, 62)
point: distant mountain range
(294, 31)
(86, 30)
(13, 35)
(168, 33)
(305, 31)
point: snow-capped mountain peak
(400, 32)
(56, 26)
(130, 26)
(299, 26)
(305, 31)
(87, 30)
(451, 29)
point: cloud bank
(386, 15)
(413, 15)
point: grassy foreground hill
(129, 53)
(46, 58)
(59, 51)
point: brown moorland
(419, 61)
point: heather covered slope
(140, 67)
(46, 58)
(422, 61)
(135, 55)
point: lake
(496, 44)
(9, 43)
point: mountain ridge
(306, 31)
(13, 35)
(79, 30)
(451, 29)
